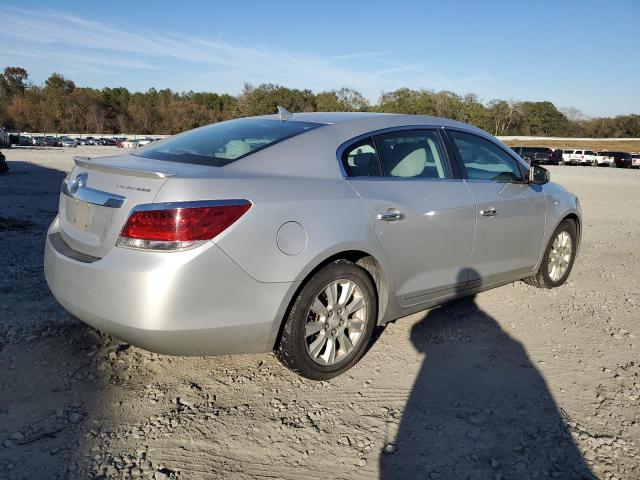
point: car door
(511, 212)
(424, 216)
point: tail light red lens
(173, 228)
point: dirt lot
(516, 383)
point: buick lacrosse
(299, 233)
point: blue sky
(583, 54)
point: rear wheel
(330, 323)
(558, 258)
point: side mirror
(538, 175)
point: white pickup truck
(583, 157)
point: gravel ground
(514, 383)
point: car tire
(319, 330)
(561, 162)
(546, 277)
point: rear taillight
(154, 227)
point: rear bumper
(195, 302)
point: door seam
(475, 229)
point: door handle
(391, 215)
(490, 212)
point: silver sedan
(299, 233)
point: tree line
(59, 105)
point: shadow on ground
(478, 408)
(48, 374)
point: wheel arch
(572, 215)
(362, 258)
(576, 219)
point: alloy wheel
(559, 256)
(336, 322)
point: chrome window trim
(404, 179)
(93, 196)
(383, 131)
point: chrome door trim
(391, 215)
(490, 212)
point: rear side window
(223, 143)
(484, 160)
(361, 159)
(412, 154)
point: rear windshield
(222, 143)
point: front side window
(361, 159)
(484, 160)
(412, 154)
(222, 143)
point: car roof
(343, 118)
(339, 129)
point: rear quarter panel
(328, 209)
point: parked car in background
(584, 157)
(564, 154)
(635, 160)
(556, 157)
(197, 239)
(38, 141)
(83, 141)
(5, 139)
(620, 159)
(68, 142)
(603, 160)
(14, 139)
(536, 155)
(50, 141)
(108, 142)
(130, 144)
(25, 141)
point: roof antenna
(283, 113)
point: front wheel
(330, 323)
(558, 258)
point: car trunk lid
(98, 195)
